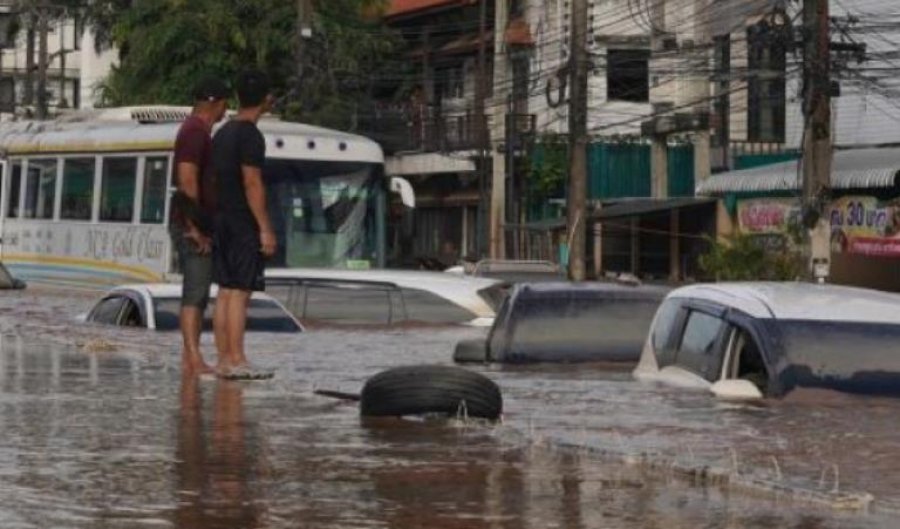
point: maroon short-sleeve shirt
(193, 145)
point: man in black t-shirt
(243, 235)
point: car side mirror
(736, 389)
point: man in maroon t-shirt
(192, 211)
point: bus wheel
(426, 390)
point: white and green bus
(86, 197)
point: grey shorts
(196, 270)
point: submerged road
(100, 430)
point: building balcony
(403, 130)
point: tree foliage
(741, 257)
(166, 45)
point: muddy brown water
(100, 430)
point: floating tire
(423, 390)
(471, 352)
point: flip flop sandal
(246, 372)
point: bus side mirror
(402, 187)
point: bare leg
(220, 327)
(191, 320)
(237, 323)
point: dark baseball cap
(210, 89)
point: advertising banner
(860, 225)
(864, 226)
(767, 216)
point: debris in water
(97, 345)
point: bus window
(117, 189)
(77, 189)
(15, 186)
(40, 189)
(156, 175)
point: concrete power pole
(817, 146)
(700, 88)
(659, 153)
(481, 132)
(304, 33)
(43, 30)
(498, 131)
(577, 197)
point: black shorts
(237, 261)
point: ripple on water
(114, 439)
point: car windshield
(324, 213)
(263, 315)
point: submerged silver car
(750, 340)
(156, 306)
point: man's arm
(189, 185)
(256, 199)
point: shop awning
(876, 168)
(643, 206)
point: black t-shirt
(236, 144)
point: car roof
(800, 301)
(599, 287)
(169, 290)
(460, 290)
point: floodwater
(100, 431)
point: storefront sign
(766, 216)
(864, 226)
(860, 225)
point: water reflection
(216, 462)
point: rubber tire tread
(414, 390)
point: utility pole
(577, 197)
(700, 88)
(817, 146)
(659, 151)
(498, 131)
(481, 135)
(30, 36)
(42, 63)
(304, 33)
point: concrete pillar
(674, 245)
(598, 249)
(725, 226)
(659, 167)
(635, 245)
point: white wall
(94, 68)
(550, 25)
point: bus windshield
(324, 213)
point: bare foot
(196, 368)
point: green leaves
(166, 45)
(743, 257)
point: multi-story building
(74, 67)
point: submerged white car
(385, 297)
(749, 340)
(156, 306)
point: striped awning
(851, 169)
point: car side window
(667, 317)
(131, 315)
(107, 311)
(699, 351)
(264, 315)
(745, 360)
(339, 302)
